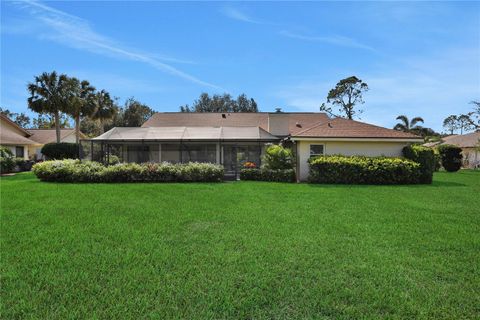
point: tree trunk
(57, 125)
(102, 129)
(77, 128)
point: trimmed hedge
(451, 156)
(423, 156)
(363, 170)
(286, 175)
(277, 157)
(60, 151)
(89, 171)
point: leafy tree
(221, 103)
(451, 123)
(464, 123)
(133, 114)
(80, 102)
(48, 95)
(19, 118)
(45, 121)
(346, 95)
(407, 125)
(474, 116)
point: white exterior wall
(471, 157)
(346, 148)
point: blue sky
(419, 58)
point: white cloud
(77, 33)
(236, 14)
(335, 40)
(432, 88)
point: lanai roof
(185, 133)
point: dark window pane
(19, 152)
(316, 149)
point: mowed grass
(240, 250)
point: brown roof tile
(469, 140)
(44, 136)
(296, 121)
(344, 128)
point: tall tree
(464, 123)
(105, 109)
(475, 115)
(48, 95)
(451, 123)
(19, 118)
(221, 103)
(346, 95)
(80, 102)
(407, 125)
(133, 114)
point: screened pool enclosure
(229, 146)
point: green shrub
(89, 171)
(7, 164)
(60, 151)
(23, 165)
(113, 159)
(451, 157)
(263, 174)
(363, 170)
(425, 157)
(277, 157)
(5, 152)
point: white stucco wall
(364, 148)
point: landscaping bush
(7, 164)
(60, 151)
(89, 171)
(278, 158)
(451, 157)
(423, 156)
(5, 152)
(285, 175)
(7, 160)
(363, 170)
(23, 165)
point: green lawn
(240, 250)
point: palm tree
(48, 95)
(105, 108)
(81, 102)
(408, 126)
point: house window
(316, 150)
(19, 152)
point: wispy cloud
(431, 87)
(76, 32)
(335, 40)
(236, 14)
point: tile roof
(344, 128)
(296, 121)
(186, 133)
(44, 136)
(10, 137)
(12, 133)
(469, 140)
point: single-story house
(28, 143)
(14, 137)
(470, 144)
(44, 136)
(231, 139)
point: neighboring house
(44, 136)
(14, 137)
(231, 139)
(470, 144)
